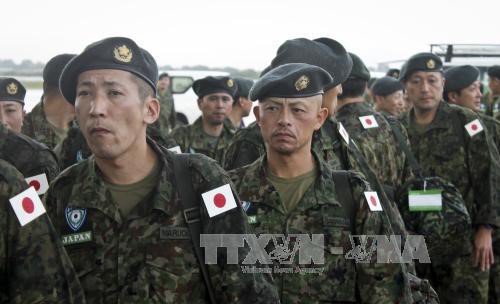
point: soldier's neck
(235, 116)
(212, 130)
(342, 102)
(424, 117)
(130, 167)
(58, 111)
(290, 165)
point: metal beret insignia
(302, 83)
(123, 53)
(431, 64)
(11, 88)
(230, 83)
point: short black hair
(163, 75)
(353, 87)
(145, 90)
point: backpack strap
(191, 205)
(400, 139)
(342, 187)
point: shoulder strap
(191, 213)
(403, 146)
(342, 187)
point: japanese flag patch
(39, 182)
(27, 206)
(373, 201)
(368, 121)
(219, 200)
(474, 127)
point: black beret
(291, 80)
(386, 85)
(359, 69)
(394, 73)
(53, 69)
(326, 54)
(11, 90)
(427, 62)
(457, 78)
(116, 53)
(244, 86)
(494, 71)
(211, 84)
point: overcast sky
(243, 34)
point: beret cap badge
(123, 53)
(302, 83)
(431, 64)
(230, 83)
(11, 88)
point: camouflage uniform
(470, 164)
(320, 212)
(192, 139)
(491, 108)
(34, 267)
(36, 126)
(134, 259)
(166, 121)
(27, 155)
(378, 145)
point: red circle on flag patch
(28, 205)
(473, 127)
(219, 200)
(368, 121)
(36, 184)
(373, 200)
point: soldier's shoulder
(180, 131)
(250, 134)
(71, 174)
(466, 113)
(9, 173)
(22, 142)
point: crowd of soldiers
(106, 197)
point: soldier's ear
(256, 113)
(152, 110)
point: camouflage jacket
(378, 144)
(320, 212)
(244, 148)
(36, 126)
(34, 267)
(27, 155)
(446, 150)
(192, 139)
(493, 126)
(74, 148)
(148, 257)
(490, 105)
(166, 121)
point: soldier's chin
(284, 150)
(103, 152)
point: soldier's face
(110, 113)
(246, 105)
(287, 124)
(12, 115)
(494, 85)
(163, 83)
(469, 97)
(214, 107)
(392, 103)
(425, 90)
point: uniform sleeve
(230, 283)
(377, 282)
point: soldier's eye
(82, 93)
(115, 93)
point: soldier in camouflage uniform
(388, 95)
(49, 121)
(34, 267)
(291, 190)
(448, 142)
(166, 121)
(462, 88)
(119, 212)
(27, 155)
(371, 131)
(241, 104)
(490, 103)
(209, 134)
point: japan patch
(219, 200)
(343, 133)
(27, 206)
(39, 182)
(368, 121)
(75, 217)
(373, 201)
(474, 127)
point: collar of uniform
(439, 121)
(197, 134)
